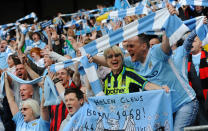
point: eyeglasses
(24, 109)
(111, 56)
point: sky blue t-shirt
(35, 125)
(180, 60)
(157, 70)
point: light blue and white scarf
(88, 30)
(31, 15)
(140, 9)
(201, 29)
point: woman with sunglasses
(122, 79)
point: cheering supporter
(22, 73)
(163, 51)
(198, 76)
(74, 99)
(26, 91)
(37, 42)
(184, 12)
(35, 54)
(12, 61)
(64, 79)
(123, 79)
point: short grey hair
(34, 105)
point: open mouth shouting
(70, 109)
(131, 54)
(115, 63)
(2, 47)
(20, 75)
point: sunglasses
(111, 56)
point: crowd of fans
(124, 68)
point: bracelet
(56, 80)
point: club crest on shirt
(33, 124)
(150, 64)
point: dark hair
(78, 92)
(154, 36)
(144, 39)
(38, 33)
(15, 59)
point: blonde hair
(115, 49)
(34, 105)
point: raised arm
(10, 97)
(32, 73)
(165, 41)
(189, 40)
(60, 88)
(21, 42)
(165, 44)
(49, 38)
(44, 109)
(17, 36)
(98, 60)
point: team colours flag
(142, 111)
